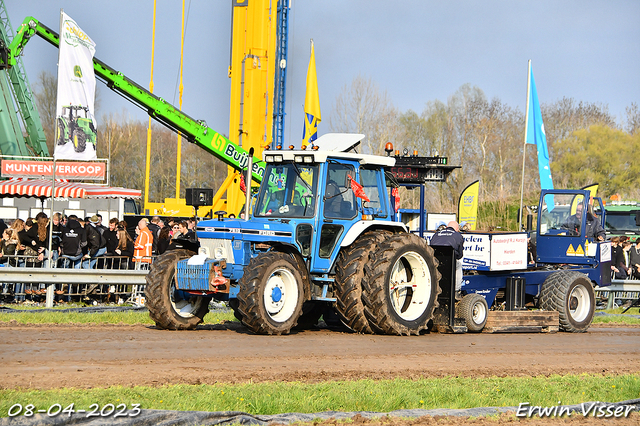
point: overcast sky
(416, 50)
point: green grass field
(368, 395)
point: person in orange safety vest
(143, 246)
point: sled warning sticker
(571, 251)
(579, 251)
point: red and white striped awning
(42, 188)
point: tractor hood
(256, 230)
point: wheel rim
(281, 295)
(579, 303)
(410, 286)
(185, 308)
(478, 313)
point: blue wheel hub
(276, 294)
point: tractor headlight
(220, 253)
(303, 159)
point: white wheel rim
(478, 313)
(183, 308)
(410, 297)
(579, 303)
(281, 295)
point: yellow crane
(252, 73)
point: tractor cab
(570, 227)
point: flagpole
(50, 297)
(524, 147)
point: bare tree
(633, 118)
(363, 108)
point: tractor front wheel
(271, 294)
(170, 308)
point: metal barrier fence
(619, 290)
(108, 279)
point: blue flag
(536, 135)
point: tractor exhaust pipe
(247, 179)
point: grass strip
(361, 395)
(132, 317)
(127, 317)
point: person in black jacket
(164, 239)
(451, 237)
(73, 240)
(111, 235)
(96, 243)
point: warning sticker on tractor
(579, 251)
(571, 251)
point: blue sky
(417, 51)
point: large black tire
(169, 308)
(79, 139)
(474, 310)
(61, 136)
(271, 294)
(400, 287)
(233, 304)
(571, 294)
(349, 275)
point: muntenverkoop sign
(64, 170)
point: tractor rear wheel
(349, 275)
(474, 310)
(271, 294)
(169, 308)
(400, 286)
(571, 294)
(79, 139)
(61, 134)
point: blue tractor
(320, 233)
(321, 236)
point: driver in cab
(593, 231)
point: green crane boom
(196, 131)
(14, 80)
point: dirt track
(99, 356)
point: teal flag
(536, 135)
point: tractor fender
(360, 227)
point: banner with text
(64, 170)
(75, 123)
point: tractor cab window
(558, 215)
(288, 191)
(339, 200)
(372, 183)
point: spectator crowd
(87, 243)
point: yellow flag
(468, 205)
(593, 190)
(311, 103)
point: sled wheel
(473, 309)
(271, 294)
(400, 286)
(169, 308)
(571, 294)
(79, 139)
(349, 275)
